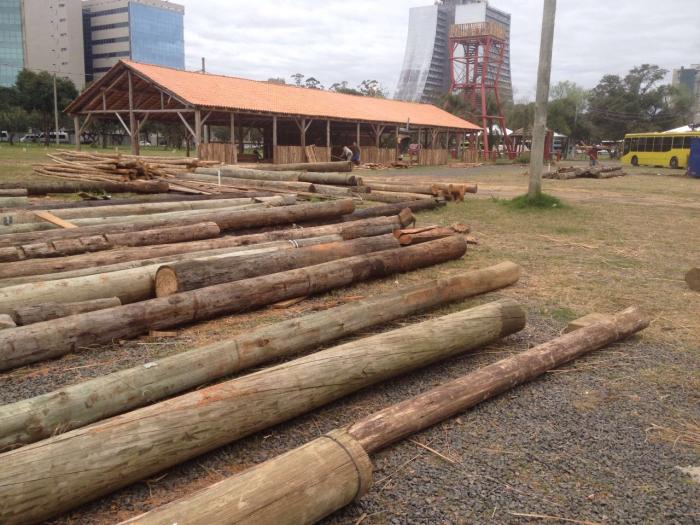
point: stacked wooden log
(76, 165)
(593, 172)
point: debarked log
(287, 490)
(78, 405)
(30, 344)
(103, 457)
(189, 275)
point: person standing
(355, 154)
(347, 153)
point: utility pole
(543, 75)
(55, 108)
(204, 65)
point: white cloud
(336, 40)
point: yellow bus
(658, 149)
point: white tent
(684, 129)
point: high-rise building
(425, 75)
(689, 78)
(150, 31)
(41, 35)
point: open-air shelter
(289, 118)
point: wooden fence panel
(216, 151)
(433, 157)
(378, 155)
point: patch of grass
(543, 202)
(562, 314)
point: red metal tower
(477, 54)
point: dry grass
(677, 432)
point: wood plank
(50, 217)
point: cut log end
(166, 282)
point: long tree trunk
(131, 282)
(391, 209)
(29, 344)
(228, 220)
(192, 274)
(337, 166)
(395, 196)
(346, 230)
(230, 180)
(45, 312)
(96, 243)
(84, 403)
(316, 479)
(76, 186)
(103, 457)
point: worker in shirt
(355, 154)
(347, 153)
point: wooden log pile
(107, 167)
(593, 172)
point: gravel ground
(572, 444)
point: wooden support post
(328, 139)
(358, 135)
(133, 126)
(76, 125)
(398, 144)
(233, 138)
(197, 127)
(303, 133)
(274, 140)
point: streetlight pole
(55, 108)
(543, 77)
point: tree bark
(315, 167)
(131, 282)
(346, 230)
(267, 184)
(145, 224)
(279, 491)
(391, 209)
(30, 344)
(47, 311)
(692, 277)
(341, 179)
(193, 274)
(84, 403)
(226, 220)
(108, 241)
(395, 196)
(76, 186)
(103, 457)
(338, 179)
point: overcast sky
(353, 40)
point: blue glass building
(11, 48)
(157, 36)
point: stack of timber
(572, 172)
(299, 488)
(98, 459)
(109, 167)
(390, 189)
(54, 338)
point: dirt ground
(599, 441)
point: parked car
(29, 137)
(4, 136)
(144, 143)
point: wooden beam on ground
(98, 459)
(298, 488)
(31, 344)
(50, 217)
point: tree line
(366, 88)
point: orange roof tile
(231, 93)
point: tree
(312, 83)
(12, 120)
(342, 87)
(278, 80)
(566, 110)
(638, 102)
(298, 77)
(371, 88)
(35, 93)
